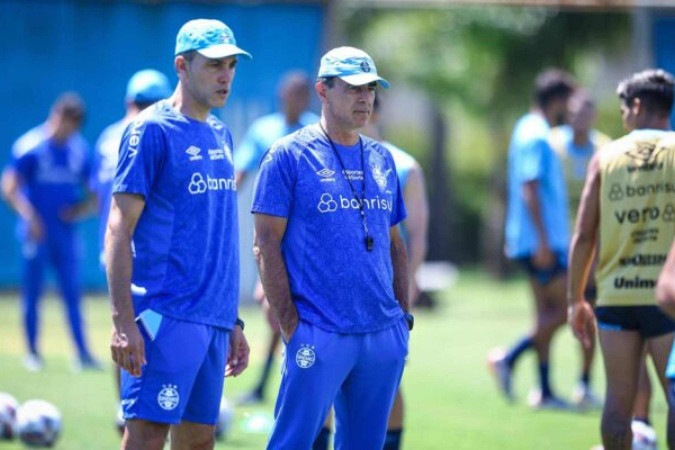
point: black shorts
(544, 276)
(647, 320)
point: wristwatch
(410, 319)
(240, 323)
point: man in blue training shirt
(46, 184)
(172, 255)
(537, 231)
(144, 88)
(333, 264)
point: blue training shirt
(532, 158)
(53, 177)
(335, 282)
(105, 163)
(185, 246)
(261, 135)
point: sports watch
(410, 319)
(240, 323)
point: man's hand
(543, 258)
(128, 348)
(581, 319)
(237, 354)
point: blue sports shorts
(648, 320)
(184, 375)
(544, 276)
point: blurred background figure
(144, 88)
(46, 184)
(575, 143)
(414, 231)
(293, 94)
(537, 233)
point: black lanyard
(369, 241)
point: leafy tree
(481, 59)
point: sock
(643, 420)
(586, 379)
(322, 439)
(543, 378)
(517, 350)
(393, 440)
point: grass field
(451, 398)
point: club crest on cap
(351, 65)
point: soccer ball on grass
(38, 423)
(8, 407)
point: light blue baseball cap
(351, 65)
(148, 86)
(211, 38)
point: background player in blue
(537, 230)
(172, 254)
(414, 232)
(144, 88)
(293, 93)
(46, 184)
(333, 264)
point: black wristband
(240, 323)
(410, 319)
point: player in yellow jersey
(665, 289)
(627, 215)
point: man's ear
(636, 107)
(320, 89)
(180, 64)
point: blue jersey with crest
(335, 282)
(185, 247)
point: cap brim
(223, 51)
(360, 79)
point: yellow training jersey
(637, 216)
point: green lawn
(451, 399)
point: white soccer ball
(644, 436)
(38, 423)
(225, 419)
(8, 407)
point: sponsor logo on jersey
(326, 175)
(134, 138)
(194, 152)
(199, 184)
(634, 283)
(328, 204)
(642, 260)
(644, 155)
(305, 357)
(168, 398)
(216, 153)
(646, 214)
(650, 189)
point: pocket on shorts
(295, 333)
(150, 321)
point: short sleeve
(141, 157)
(275, 183)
